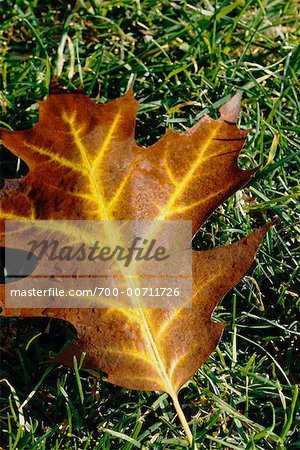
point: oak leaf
(84, 164)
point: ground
(183, 59)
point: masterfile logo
(101, 264)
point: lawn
(183, 60)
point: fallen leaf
(84, 164)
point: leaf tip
(231, 109)
(257, 235)
(129, 95)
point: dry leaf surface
(84, 164)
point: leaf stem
(184, 422)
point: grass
(183, 59)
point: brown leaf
(84, 164)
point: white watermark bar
(98, 264)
